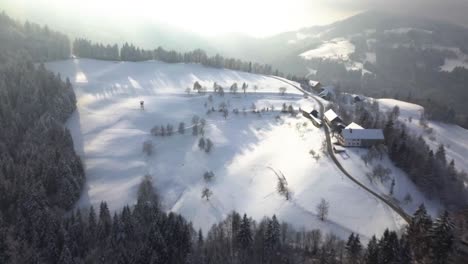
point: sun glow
(208, 17)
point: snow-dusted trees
(272, 239)
(381, 173)
(442, 238)
(86, 49)
(417, 232)
(244, 239)
(31, 41)
(322, 209)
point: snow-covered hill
(109, 128)
(454, 138)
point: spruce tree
(372, 253)
(244, 236)
(353, 248)
(418, 233)
(104, 223)
(65, 256)
(389, 248)
(442, 239)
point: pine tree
(418, 233)
(104, 223)
(440, 155)
(405, 250)
(65, 256)
(372, 253)
(442, 239)
(389, 248)
(244, 236)
(91, 227)
(272, 239)
(353, 248)
(158, 245)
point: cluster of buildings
(353, 135)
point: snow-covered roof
(354, 126)
(313, 83)
(330, 115)
(349, 133)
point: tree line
(129, 52)
(30, 41)
(144, 233)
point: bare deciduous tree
(148, 147)
(206, 193)
(282, 90)
(322, 209)
(208, 176)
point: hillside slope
(109, 128)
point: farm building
(332, 118)
(356, 136)
(313, 116)
(315, 85)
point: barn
(332, 118)
(315, 85)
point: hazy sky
(212, 17)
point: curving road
(394, 207)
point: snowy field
(338, 48)
(454, 138)
(108, 130)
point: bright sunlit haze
(256, 18)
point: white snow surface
(336, 49)
(108, 130)
(406, 30)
